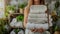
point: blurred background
(12, 16)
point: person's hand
(40, 30)
(34, 30)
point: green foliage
(2, 28)
(6, 14)
(20, 17)
(55, 18)
(57, 28)
(16, 30)
(8, 8)
(22, 5)
(57, 4)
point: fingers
(38, 30)
(41, 30)
(34, 30)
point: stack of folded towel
(37, 17)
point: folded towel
(37, 20)
(37, 26)
(37, 15)
(38, 9)
(27, 31)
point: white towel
(32, 26)
(27, 31)
(37, 15)
(12, 32)
(14, 23)
(37, 20)
(38, 9)
(19, 24)
(21, 32)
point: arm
(26, 11)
